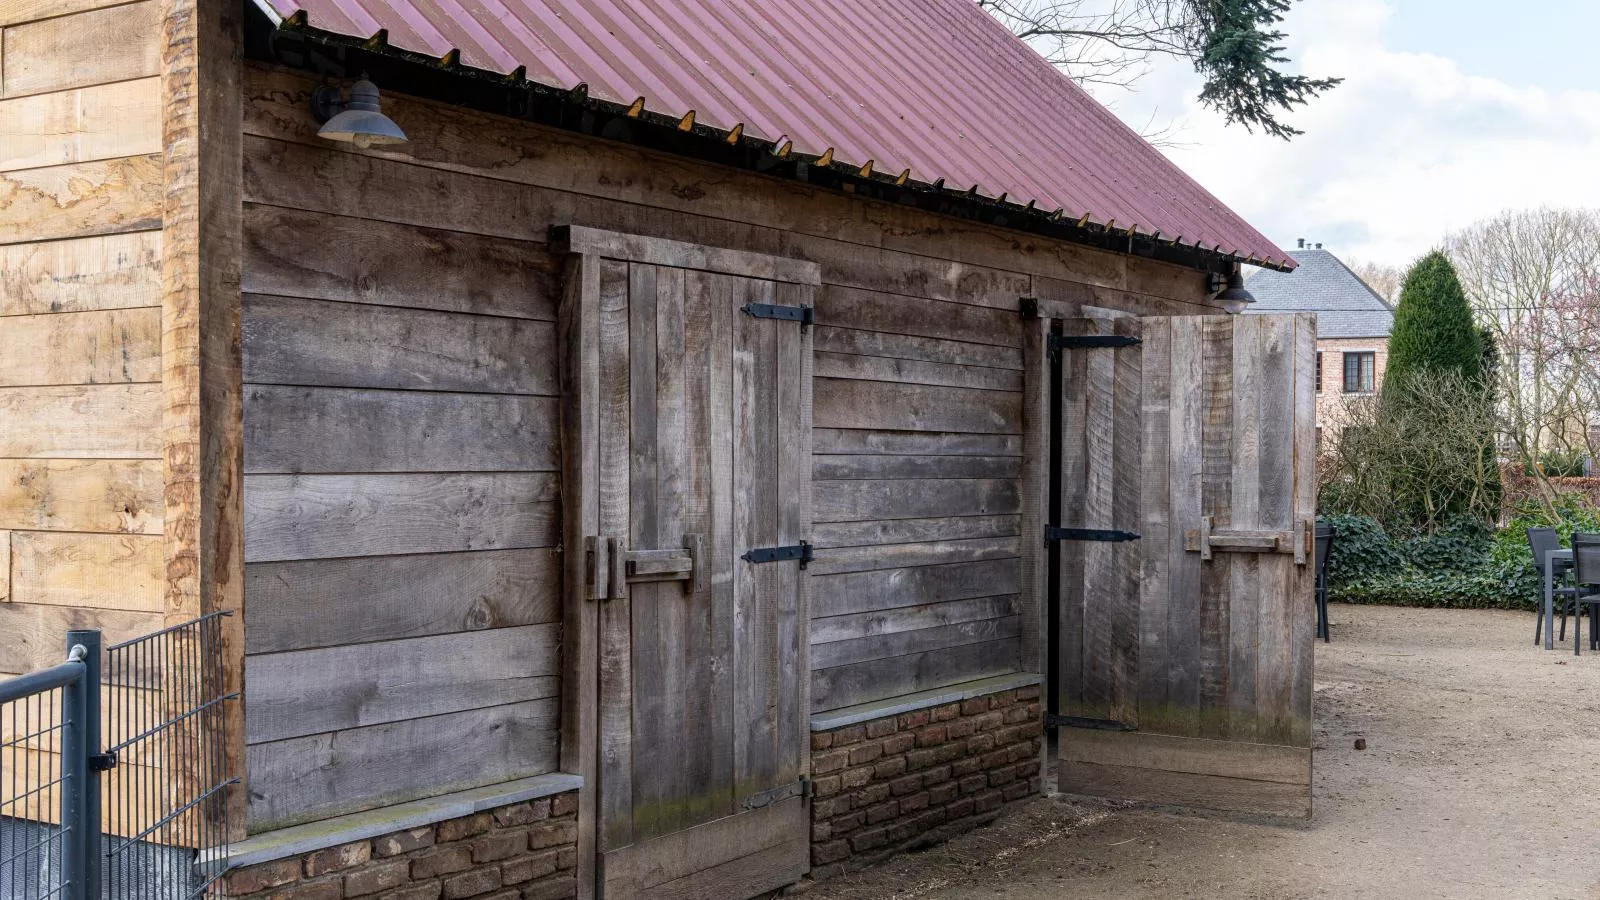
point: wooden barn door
(1186, 504)
(695, 565)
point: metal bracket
(800, 551)
(1053, 533)
(763, 799)
(805, 315)
(1056, 720)
(1090, 341)
(102, 762)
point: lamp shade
(362, 122)
(1234, 298)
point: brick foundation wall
(910, 780)
(524, 851)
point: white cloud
(1407, 149)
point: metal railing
(141, 819)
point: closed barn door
(1185, 503)
(694, 563)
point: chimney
(1302, 243)
(1319, 245)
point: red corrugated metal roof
(936, 87)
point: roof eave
(290, 42)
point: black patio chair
(1324, 548)
(1541, 541)
(1586, 573)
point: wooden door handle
(683, 564)
(1208, 539)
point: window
(1319, 371)
(1360, 375)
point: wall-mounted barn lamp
(356, 120)
(1233, 297)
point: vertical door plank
(1033, 576)
(1100, 577)
(1275, 663)
(723, 303)
(1155, 586)
(792, 469)
(1069, 557)
(1303, 622)
(1183, 615)
(1123, 598)
(616, 645)
(1216, 498)
(1244, 574)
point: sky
(1451, 111)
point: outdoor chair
(1541, 541)
(1586, 573)
(1324, 548)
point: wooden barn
(725, 441)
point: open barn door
(1184, 499)
(688, 497)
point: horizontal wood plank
(94, 47)
(336, 688)
(1185, 789)
(121, 421)
(911, 618)
(682, 853)
(117, 271)
(910, 371)
(683, 255)
(878, 466)
(843, 307)
(844, 403)
(906, 347)
(901, 643)
(317, 603)
(857, 592)
(311, 342)
(123, 496)
(304, 429)
(892, 556)
(101, 122)
(324, 516)
(1196, 756)
(81, 199)
(880, 679)
(910, 531)
(855, 501)
(33, 636)
(96, 571)
(320, 776)
(15, 12)
(289, 252)
(115, 346)
(931, 443)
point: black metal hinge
(1053, 533)
(1090, 341)
(800, 551)
(805, 315)
(102, 762)
(763, 799)
(1056, 720)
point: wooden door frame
(578, 335)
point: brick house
(1353, 325)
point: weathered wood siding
(398, 299)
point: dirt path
(1481, 779)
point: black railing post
(94, 750)
(75, 717)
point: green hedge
(1462, 566)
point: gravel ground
(1481, 779)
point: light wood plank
(609, 299)
(1277, 634)
(322, 516)
(893, 556)
(881, 678)
(310, 342)
(1155, 493)
(32, 636)
(908, 531)
(101, 122)
(93, 47)
(305, 604)
(306, 429)
(81, 495)
(1302, 580)
(856, 592)
(18, 11)
(906, 347)
(81, 199)
(81, 422)
(118, 271)
(841, 403)
(853, 501)
(108, 347)
(1216, 501)
(337, 688)
(1184, 467)
(900, 643)
(911, 618)
(881, 466)
(319, 256)
(1244, 569)
(907, 371)
(1127, 450)
(933, 443)
(316, 777)
(98, 571)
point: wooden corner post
(202, 397)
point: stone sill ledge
(955, 693)
(300, 839)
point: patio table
(1554, 558)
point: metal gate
(112, 771)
